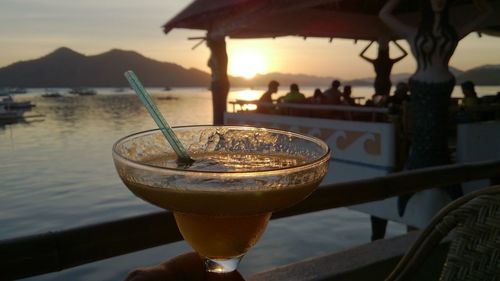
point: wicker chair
(474, 251)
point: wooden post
(220, 82)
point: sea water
(57, 173)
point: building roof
(350, 19)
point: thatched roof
(353, 19)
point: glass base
(222, 265)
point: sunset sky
(32, 28)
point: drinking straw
(142, 93)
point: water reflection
(61, 169)
(246, 95)
(99, 110)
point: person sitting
(470, 95)
(347, 100)
(294, 95)
(469, 101)
(400, 94)
(272, 88)
(333, 94)
(318, 97)
(396, 101)
(346, 96)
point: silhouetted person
(383, 65)
(469, 101)
(272, 88)
(400, 95)
(318, 97)
(294, 95)
(333, 94)
(469, 92)
(346, 96)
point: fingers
(181, 268)
(185, 267)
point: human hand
(186, 267)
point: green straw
(182, 155)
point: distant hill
(483, 75)
(397, 77)
(67, 68)
(286, 79)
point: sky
(32, 28)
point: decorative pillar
(220, 82)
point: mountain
(67, 68)
(483, 75)
(286, 79)
(396, 77)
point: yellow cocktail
(222, 203)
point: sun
(247, 62)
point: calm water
(57, 173)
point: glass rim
(306, 165)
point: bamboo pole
(54, 251)
(220, 82)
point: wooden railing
(54, 251)
(343, 108)
(492, 109)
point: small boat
(82, 92)
(8, 103)
(18, 91)
(88, 93)
(167, 88)
(4, 92)
(9, 116)
(52, 95)
(167, 98)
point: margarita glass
(223, 202)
